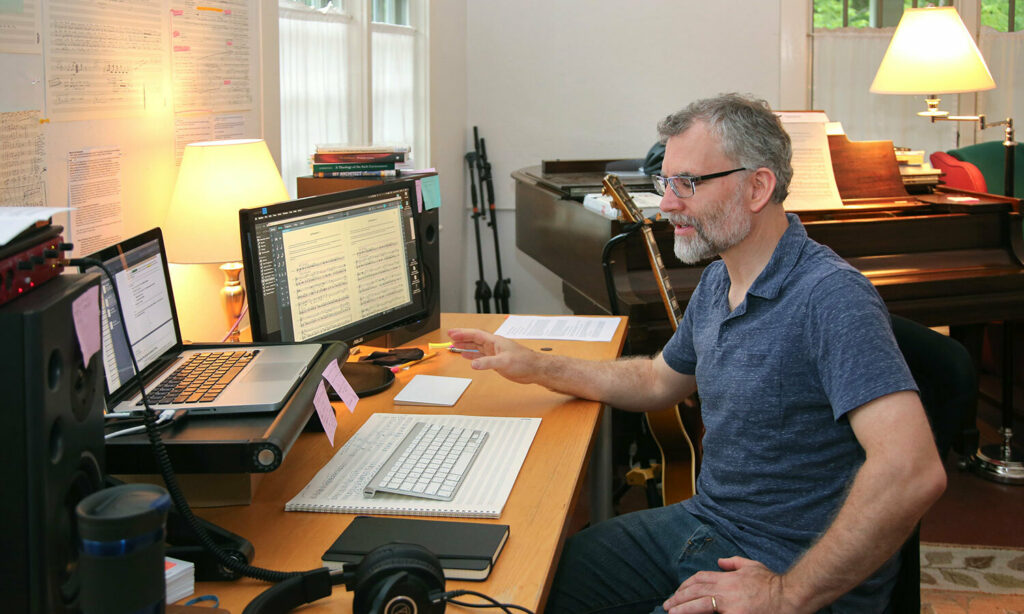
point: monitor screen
(340, 266)
(140, 270)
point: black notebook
(467, 550)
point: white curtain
(845, 62)
(317, 101)
(1004, 54)
(394, 82)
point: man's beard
(724, 226)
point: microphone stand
(501, 286)
(483, 292)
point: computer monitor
(345, 266)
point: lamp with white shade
(216, 179)
(932, 53)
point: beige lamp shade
(216, 179)
(932, 52)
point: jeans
(631, 563)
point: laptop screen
(140, 270)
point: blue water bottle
(121, 549)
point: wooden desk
(538, 509)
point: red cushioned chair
(959, 174)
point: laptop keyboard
(431, 462)
(201, 378)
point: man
(818, 457)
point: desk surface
(538, 509)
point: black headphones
(394, 578)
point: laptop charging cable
(166, 419)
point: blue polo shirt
(776, 376)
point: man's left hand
(743, 586)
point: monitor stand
(365, 378)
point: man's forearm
(884, 504)
(626, 383)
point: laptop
(246, 379)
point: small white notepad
(432, 390)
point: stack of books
(180, 577)
(333, 160)
(916, 172)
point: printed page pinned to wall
(20, 22)
(198, 127)
(103, 61)
(22, 160)
(94, 191)
(213, 59)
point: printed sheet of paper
(212, 56)
(14, 220)
(194, 128)
(814, 184)
(563, 328)
(22, 160)
(104, 59)
(20, 25)
(94, 191)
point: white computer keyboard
(431, 462)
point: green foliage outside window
(828, 14)
(996, 14)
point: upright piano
(945, 257)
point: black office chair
(948, 382)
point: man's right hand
(511, 360)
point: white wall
(591, 79)
(447, 113)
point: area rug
(971, 580)
(972, 568)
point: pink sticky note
(348, 396)
(325, 410)
(419, 197)
(85, 310)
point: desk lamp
(216, 179)
(932, 52)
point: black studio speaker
(51, 457)
(427, 227)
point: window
(1003, 15)
(833, 14)
(352, 71)
(1000, 15)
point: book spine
(357, 174)
(350, 158)
(333, 148)
(354, 166)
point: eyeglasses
(685, 186)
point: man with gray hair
(818, 458)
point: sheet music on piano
(813, 187)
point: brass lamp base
(232, 297)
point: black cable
(167, 471)
(493, 603)
(312, 581)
